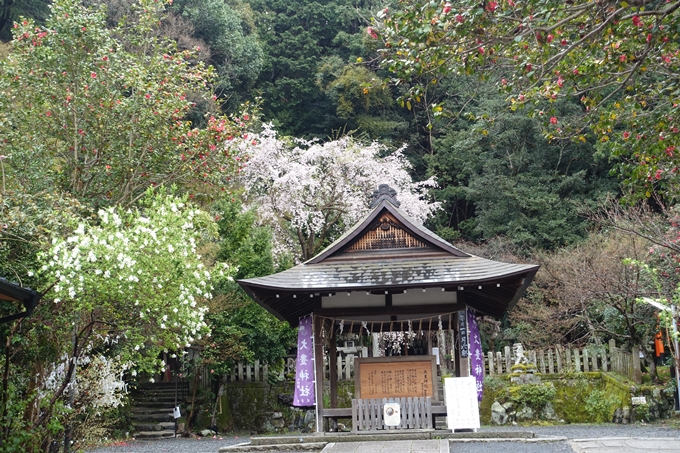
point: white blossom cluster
(395, 340)
(305, 185)
(138, 271)
(98, 382)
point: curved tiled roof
(491, 287)
(390, 273)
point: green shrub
(535, 396)
(601, 405)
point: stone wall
(261, 407)
(573, 398)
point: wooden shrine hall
(388, 274)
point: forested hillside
(151, 153)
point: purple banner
(476, 353)
(304, 366)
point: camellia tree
(619, 58)
(100, 113)
(310, 192)
(120, 291)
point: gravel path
(211, 445)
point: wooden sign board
(395, 377)
(462, 408)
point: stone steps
(152, 409)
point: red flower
(623, 58)
(626, 135)
(553, 120)
(372, 33)
(459, 19)
(147, 95)
(564, 42)
(669, 151)
(636, 21)
(491, 6)
(93, 75)
(549, 38)
(447, 8)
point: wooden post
(577, 361)
(508, 359)
(319, 371)
(635, 359)
(490, 359)
(567, 360)
(499, 363)
(584, 352)
(558, 356)
(333, 371)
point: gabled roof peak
(384, 192)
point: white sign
(462, 409)
(176, 413)
(392, 414)
(638, 400)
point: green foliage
(235, 51)
(539, 187)
(601, 405)
(12, 10)
(100, 113)
(535, 396)
(241, 330)
(298, 37)
(618, 59)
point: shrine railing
(563, 360)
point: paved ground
(396, 446)
(656, 438)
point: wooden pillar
(333, 359)
(319, 371)
(635, 359)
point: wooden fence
(548, 361)
(258, 372)
(563, 360)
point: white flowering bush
(135, 283)
(310, 191)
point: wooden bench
(367, 414)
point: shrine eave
(490, 287)
(16, 293)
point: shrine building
(388, 273)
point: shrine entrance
(390, 278)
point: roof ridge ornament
(384, 192)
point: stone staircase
(152, 409)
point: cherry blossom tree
(619, 58)
(311, 191)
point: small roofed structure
(384, 273)
(26, 296)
